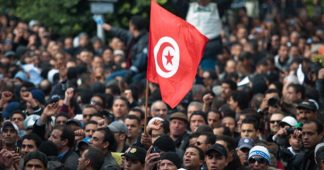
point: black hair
(231, 83)
(319, 125)
(90, 122)
(96, 157)
(34, 137)
(17, 112)
(138, 22)
(230, 141)
(199, 113)
(136, 109)
(201, 152)
(133, 117)
(298, 89)
(49, 148)
(66, 134)
(241, 98)
(108, 137)
(251, 120)
(36, 155)
(211, 138)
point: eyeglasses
(275, 121)
(259, 160)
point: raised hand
(51, 109)
(6, 96)
(69, 93)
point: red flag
(175, 50)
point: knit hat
(38, 95)
(12, 106)
(171, 156)
(260, 151)
(165, 143)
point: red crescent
(159, 56)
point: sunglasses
(259, 160)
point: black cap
(308, 105)
(165, 143)
(136, 153)
(217, 148)
(173, 157)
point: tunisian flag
(175, 50)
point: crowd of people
(79, 102)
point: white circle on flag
(166, 57)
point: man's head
(294, 93)
(306, 110)
(63, 138)
(18, 118)
(87, 112)
(259, 158)
(30, 143)
(120, 131)
(275, 119)
(193, 158)
(312, 133)
(9, 133)
(178, 124)
(228, 86)
(136, 24)
(194, 106)
(159, 109)
(133, 124)
(319, 155)
(90, 127)
(169, 161)
(229, 122)
(197, 119)
(120, 107)
(61, 119)
(35, 161)
(243, 148)
(91, 158)
(216, 157)
(249, 128)
(213, 118)
(205, 140)
(104, 140)
(134, 158)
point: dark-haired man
(103, 139)
(91, 159)
(64, 140)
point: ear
(87, 162)
(106, 145)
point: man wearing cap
(259, 158)
(306, 110)
(9, 133)
(120, 134)
(169, 161)
(285, 124)
(216, 157)
(243, 148)
(134, 158)
(178, 124)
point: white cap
(290, 121)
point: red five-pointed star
(169, 58)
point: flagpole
(146, 106)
